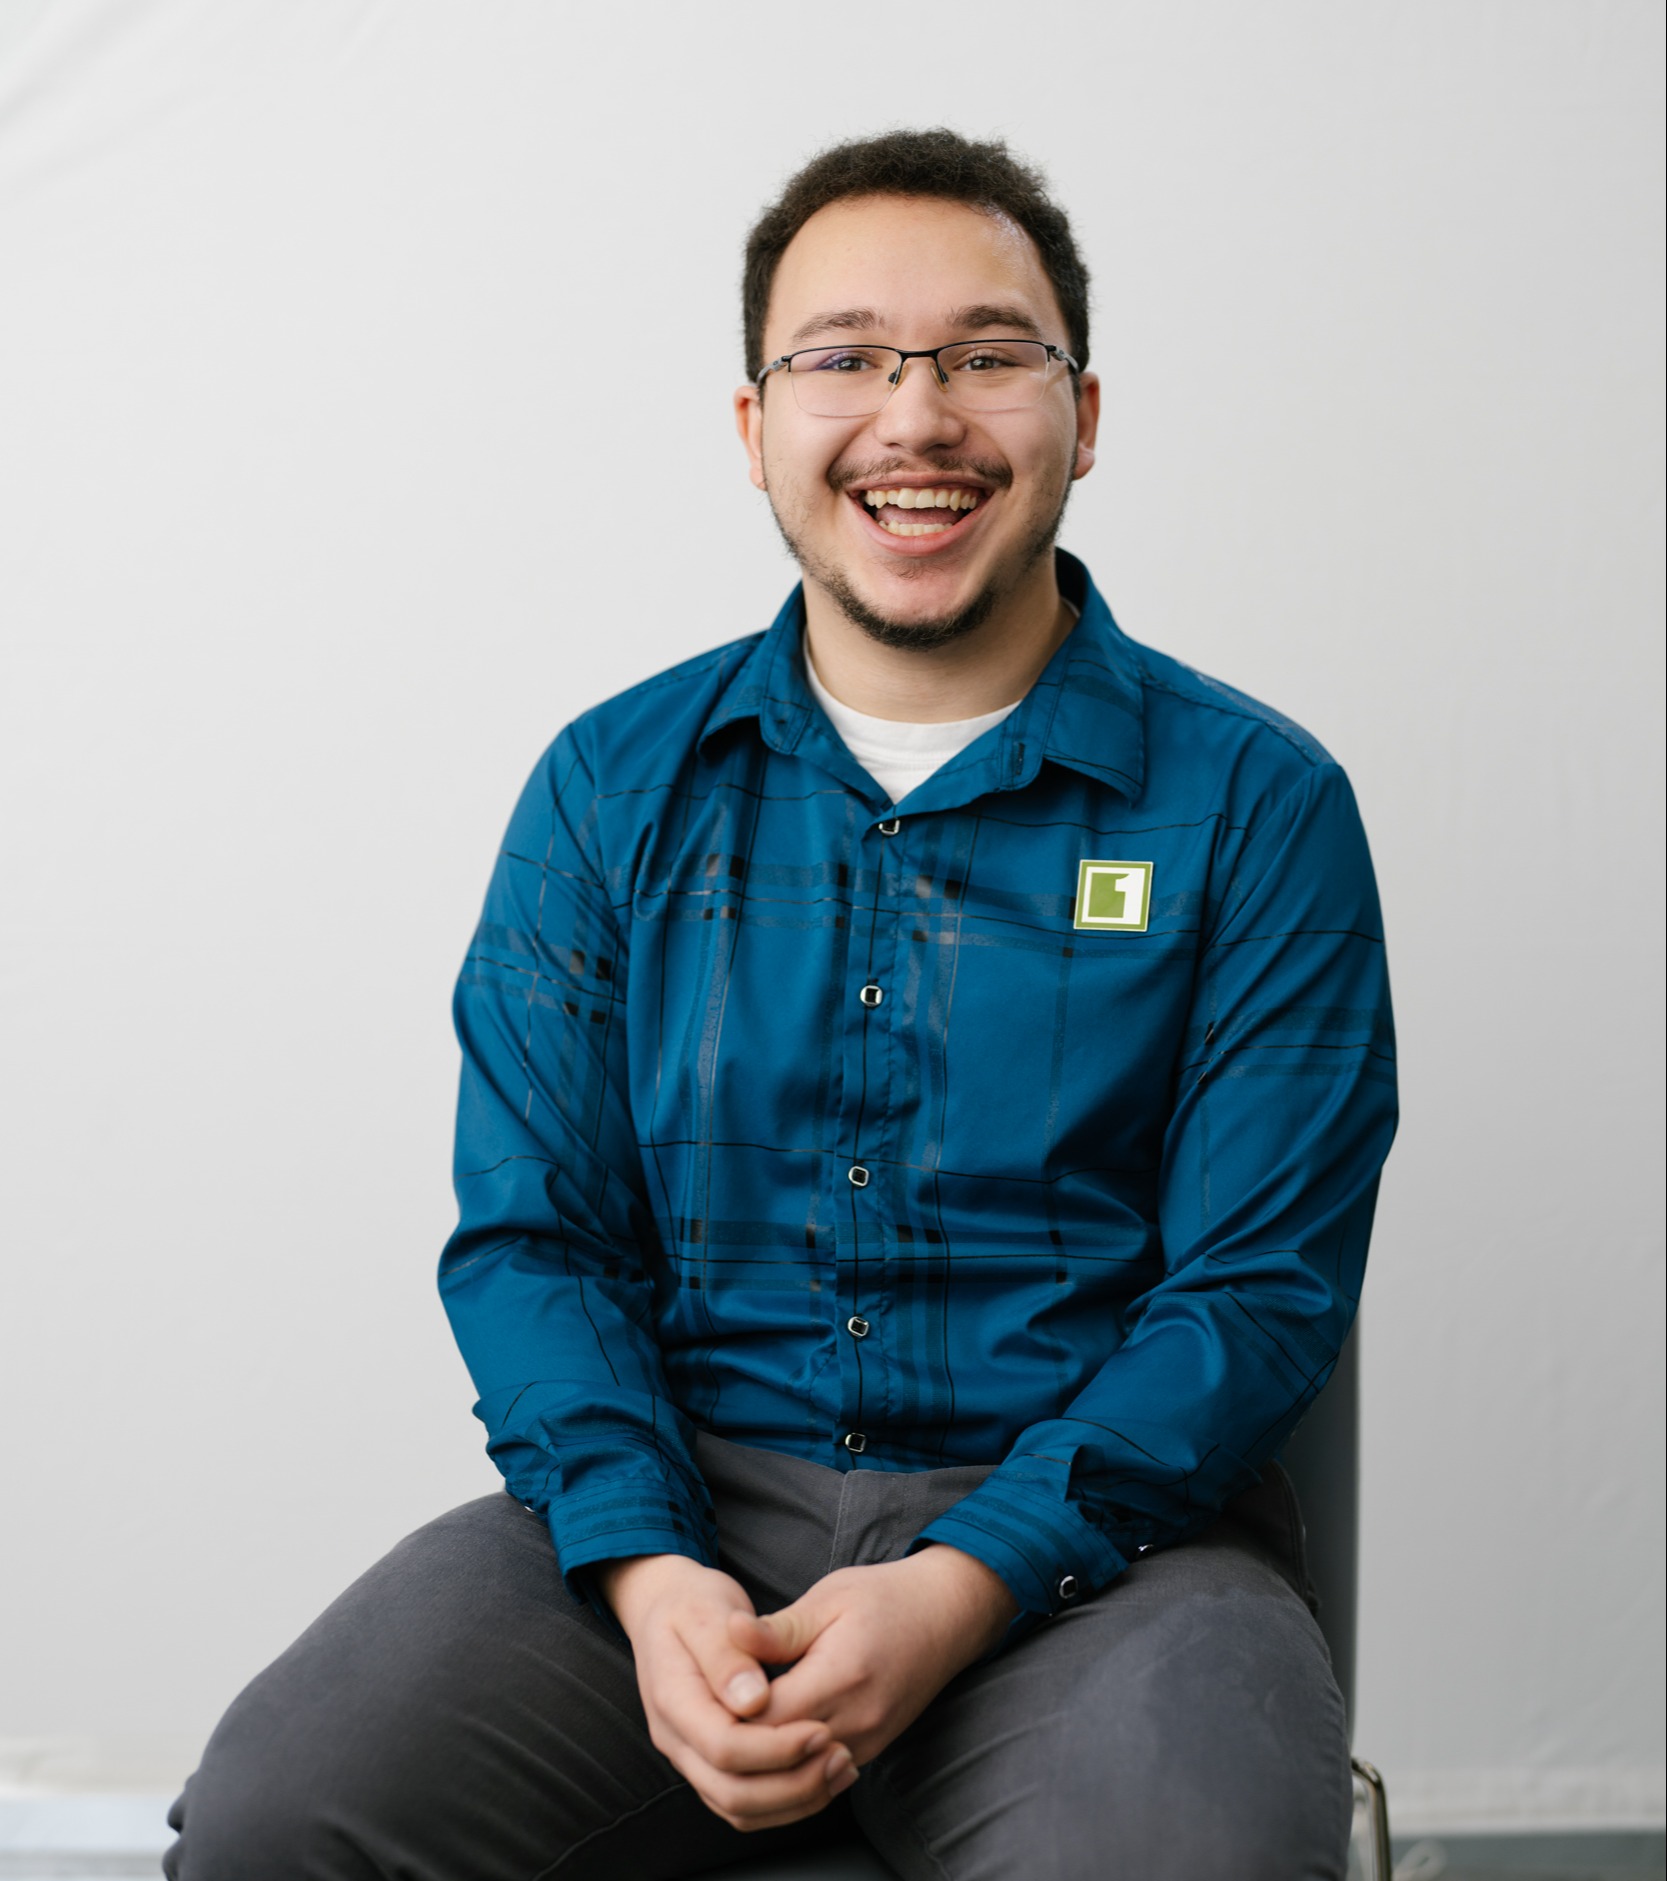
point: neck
(984, 670)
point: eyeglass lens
(979, 375)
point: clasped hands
(868, 1649)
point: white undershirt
(896, 753)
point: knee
(325, 1757)
(277, 1795)
(1217, 1768)
(1292, 1831)
(1207, 1820)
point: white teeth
(912, 529)
(922, 499)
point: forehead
(914, 262)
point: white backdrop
(343, 346)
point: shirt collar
(1085, 711)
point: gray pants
(457, 1716)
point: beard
(921, 636)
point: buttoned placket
(862, 1277)
(882, 857)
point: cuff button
(1067, 1588)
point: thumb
(776, 1637)
(732, 1673)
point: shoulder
(1221, 712)
(644, 735)
(1220, 737)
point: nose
(918, 416)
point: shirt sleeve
(547, 1278)
(1283, 1111)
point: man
(926, 1072)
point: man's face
(915, 272)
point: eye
(990, 359)
(838, 359)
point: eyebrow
(846, 320)
(994, 314)
(970, 319)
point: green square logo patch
(1113, 897)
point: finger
(680, 1699)
(809, 1690)
(780, 1636)
(750, 1749)
(733, 1675)
(766, 1801)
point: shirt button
(855, 1442)
(1067, 1588)
(871, 995)
(857, 1326)
(890, 826)
(857, 1176)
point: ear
(749, 426)
(1088, 423)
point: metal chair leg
(1377, 1806)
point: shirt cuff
(612, 1524)
(1051, 1557)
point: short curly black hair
(937, 162)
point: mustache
(843, 478)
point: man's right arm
(545, 1280)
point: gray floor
(1599, 1857)
(121, 1838)
(14, 1867)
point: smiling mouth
(898, 512)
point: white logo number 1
(1128, 883)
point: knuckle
(730, 1802)
(711, 1753)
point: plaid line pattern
(1091, 1204)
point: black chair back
(1322, 1456)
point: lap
(456, 1713)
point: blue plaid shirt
(1034, 1120)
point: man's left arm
(1284, 1109)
